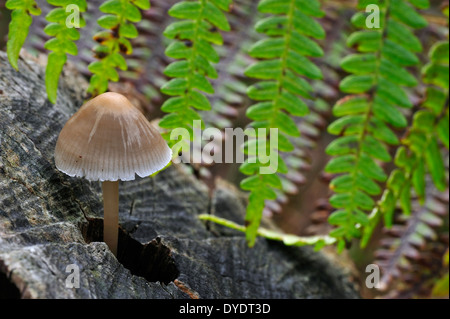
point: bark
(51, 224)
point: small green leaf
(171, 120)
(208, 33)
(54, 68)
(265, 70)
(265, 90)
(108, 21)
(274, 6)
(173, 104)
(310, 7)
(347, 124)
(398, 54)
(436, 74)
(435, 100)
(301, 65)
(365, 41)
(388, 113)
(132, 13)
(207, 51)
(128, 30)
(251, 183)
(405, 198)
(142, 4)
(292, 104)
(357, 83)
(199, 101)
(178, 50)
(304, 45)
(119, 61)
(406, 14)
(396, 74)
(420, 4)
(343, 146)
(382, 132)
(359, 63)
(216, 17)
(341, 164)
(418, 179)
(439, 53)
(443, 130)
(424, 121)
(393, 93)
(351, 105)
(367, 185)
(57, 15)
(52, 29)
(249, 168)
(387, 206)
(435, 164)
(341, 200)
(284, 144)
(112, 7)
(204, 67)
(286, 124)
(361, 217)
(272, 180)
(260, 111)
(296, 85)
(253, 217)
(176, 86)
(200, 82)
(272, 26)
(363, 200)
(17, 34)
(61, 46)
(222, 4)
(401, 34)
(177, 69)
(338, 217)
(186, 10)
(369, 168)
(376, 149)
(267, 48)
(184, 30)
(307, 25)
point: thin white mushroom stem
(111, 214)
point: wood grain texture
(49, 221)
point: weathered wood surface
(49, 221)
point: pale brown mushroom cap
(108, 139)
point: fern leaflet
(419, 152)
(193, 38)
(19, 26)
(63, 31)
(378, 75)
(283, 67)
(119, 19)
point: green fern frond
(378, 75)
(419, 153)
(120, 17)
(194, 37)
(19, 26)
(63, 31)
(283, 67)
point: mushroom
(109, 140)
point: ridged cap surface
(108, 139)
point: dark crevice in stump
(152, 261)
(7, 289)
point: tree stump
(51, 224)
